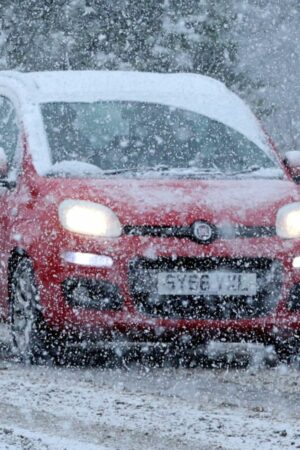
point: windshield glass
(126, 136)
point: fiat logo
(202, 231)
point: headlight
(89, 218)
(288, 221)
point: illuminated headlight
(288, 221)
(89, 218)
(296, 262)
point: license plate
(206, 283)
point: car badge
(202, 231)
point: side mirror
(292, 162)
(3, 163)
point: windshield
(127, 136)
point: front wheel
(31, 339)
(287, 351)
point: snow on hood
(193, 92)
(74, 168)
(180, 202)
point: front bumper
(132, 319)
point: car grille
(143, 274)
(219, 232)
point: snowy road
(55, 408)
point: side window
(9, 131)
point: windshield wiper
(136, 169)
(163, 168)
(245, 170)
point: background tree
(153, 35)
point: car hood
(180, 202)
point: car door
(10, 143)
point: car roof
(193, 92)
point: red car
(139, 208)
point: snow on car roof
(193, 92)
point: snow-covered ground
(138, 407)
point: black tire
(31, 339)
(287, 351)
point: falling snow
(140, 79)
